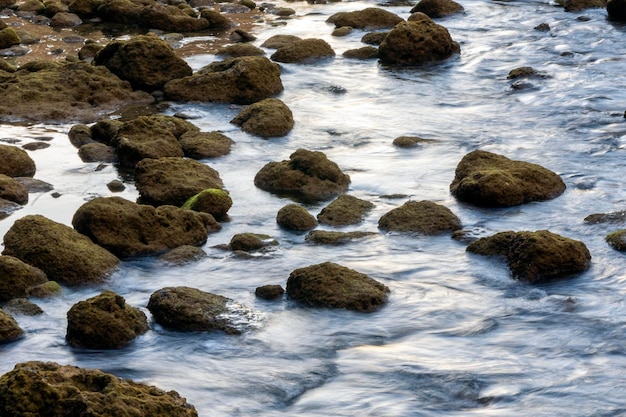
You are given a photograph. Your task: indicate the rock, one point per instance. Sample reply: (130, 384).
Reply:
(203, 145)
(240, 49)
(104, 322)
(335, 286)
(374, 38)
(130, 229)
(307, 174)
(369, 18)
(326, 237)
(417, 42)
(173, 180)
(170, 18)
(22, 306)
(578, 5)
(183, 255)
(617, 240)
(269, 292)
(409, 141)
(62, 253)
(267, 118)
(87, 9)
(424, 217)
(116, 186)
(8, 38)
(9, 332)
(240, 35)
(56, 91)
(106, 130)
(525, 72)
(345, 210)
(278, 41)
(47, 388)
(366, 52)
(535, 257)
(242, 80)
(295, 217)
(191, 310)
(250, 242)
(146, 61)
(214, 201)
(34, 185)
(17, 278)
(80, 135)
(305, 51)
(97, 152)
(542, 27)
(45, 290)
(491, 180)
(217, 21)
(7, 208)
(437, 8)
(616, 10)
(65, 20)
(16, 162)
(13, 190)
(615, 217)
(35, 146)
(154, 136)
(342, 31)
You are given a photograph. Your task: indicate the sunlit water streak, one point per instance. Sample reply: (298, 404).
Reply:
(458, 336)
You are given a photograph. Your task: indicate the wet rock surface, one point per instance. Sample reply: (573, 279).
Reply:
(9, 329)
(345, 210)
(437, 8)
(267, 118)
(17, 278)
(304, 51)
(295, 217)
(369, 18)
(424, 217)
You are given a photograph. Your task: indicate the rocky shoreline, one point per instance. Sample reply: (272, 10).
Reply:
(182, 199)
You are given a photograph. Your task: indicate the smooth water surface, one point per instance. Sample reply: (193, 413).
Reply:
(458, 337)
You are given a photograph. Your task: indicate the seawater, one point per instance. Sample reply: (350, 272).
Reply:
(458, 337)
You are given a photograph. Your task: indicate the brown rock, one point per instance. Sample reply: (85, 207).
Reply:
(617, 240)
(16, 162)
(80, 135)
(424, 217)
(250, 242)
(65, 20)
(369, 18)
(305, 51)
(13, 190)
(183, 255)
(327, 237)
(97, 152)
(267, 118)
(8, 38)
(278, 41)
(366, 52)
(240, 49)
(171, 19)
(269, 292)
(217, 21)
(9, 330)
(374, 38)
(203, 145)
(437, 8)
(17, 278)
(578, 5)
(345, 210)
(295, 217)
(214, 201)
(22, 306)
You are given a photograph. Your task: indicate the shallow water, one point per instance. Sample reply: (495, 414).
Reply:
(458, 337)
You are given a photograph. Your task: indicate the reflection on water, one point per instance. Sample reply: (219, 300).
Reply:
(458, 336)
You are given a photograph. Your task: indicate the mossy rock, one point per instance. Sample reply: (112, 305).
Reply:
(278, 41)
(9, 332)
(424, 217)
(217, 21)
(250, 242)
(97, 152)
(106, 130)
(80, 135)
(104, 322)
(13, 190)
(579, 5)
(617, 240)
(267, 118)
(374, 38)
(305, 51)
(536, 257)
(8, 38)
(50, 389)
(269, 292)
(16, 162)
(183, 255)
(240, 49)
(410, 141)
(369, 18)
(65, 255)
(17, 278)
(614, 217)
(22, 306)
(366, 52)
(45, 290)
(213, 201)
(438, 8)
(345, 210)
(335, 286)
(491, 180)
(203, 145)
(295, 217)
(327, 237)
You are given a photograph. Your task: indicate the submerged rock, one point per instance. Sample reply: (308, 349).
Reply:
(269, 292)
(307, 174)
(295, 217)
(615, 217)
(129, 229)
(335, 286)
(9, 331)
(47, 388)
(536, 257)
(242, 80)
(491, 180)
(214, 201)
(369, 18)
(423, 217)
(267, 118)
(17, 278)
(366, 52)
(172, 181)
(416, 42)
(22, 306)
(437, 8)
(65, 255)
(16, 162)
(192, 310)
(304, 51)
(183, 255)
(104, 322)
(410, 141)
(617, 240)
(146, 61)
(345, 210)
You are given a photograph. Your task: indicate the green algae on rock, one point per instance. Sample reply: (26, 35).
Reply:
(9, 330)
(49, 389)
(17, 278)
(617, 240)
(203, 145)
(214, 201)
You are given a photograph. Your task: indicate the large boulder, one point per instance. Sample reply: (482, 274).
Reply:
(9, 330)
(424, 217)
(417, 42)
(57, 91)
(616, 10)
(17, 278)
(305, 51)
(65, 255)
(369, 18)
(437, 8)
(154, 136)
(535, 257)
(172, 181)
(129, 229)
(345, 210)
(242, 80)
(50, 389)
(491, 180)
(267, 118)
(192, 310)
(146, 61)
(307, 174)
(335, 286)
(104, 322)
(16, 162)
(13, 190)
(203, 145)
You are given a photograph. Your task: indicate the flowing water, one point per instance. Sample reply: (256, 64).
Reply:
(458, 336)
